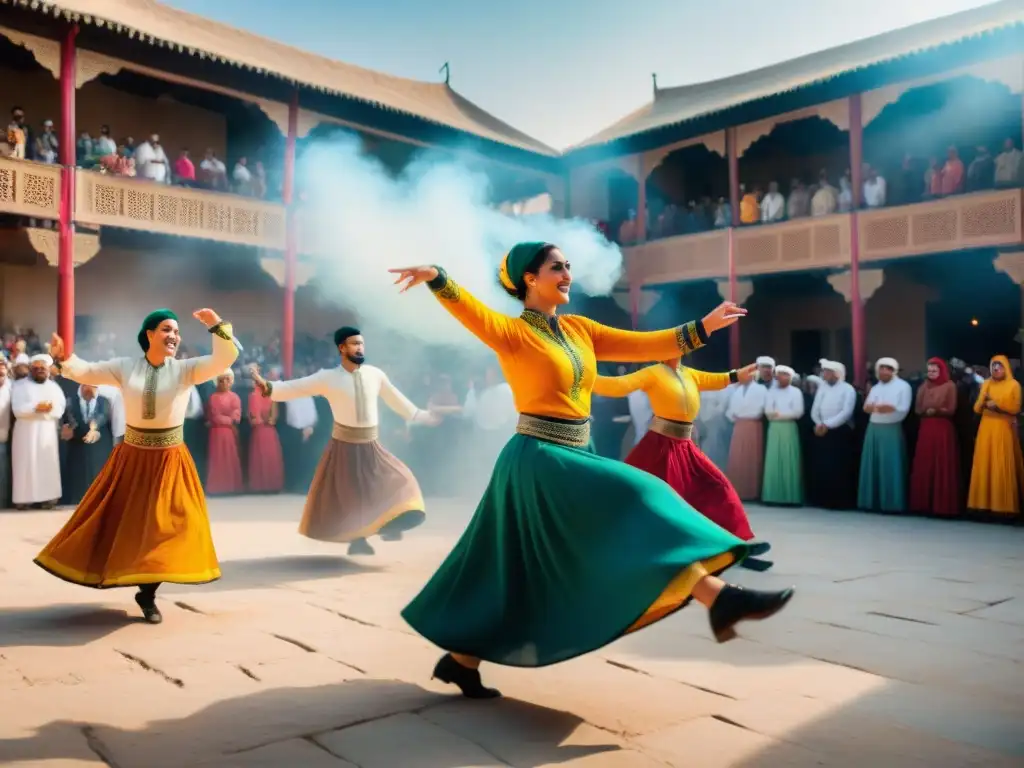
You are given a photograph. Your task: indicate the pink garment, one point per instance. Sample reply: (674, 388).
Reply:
(266, 461)
(953, 177)
(224, 412)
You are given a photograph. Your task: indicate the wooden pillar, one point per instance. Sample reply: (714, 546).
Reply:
(857, 330)
(291, 246)
(66, 220)
(733, 159)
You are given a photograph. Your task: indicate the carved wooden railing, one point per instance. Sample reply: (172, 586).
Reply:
(806, 243)
(116, 201)
(678, 259)
(29, 189)
(978, 220)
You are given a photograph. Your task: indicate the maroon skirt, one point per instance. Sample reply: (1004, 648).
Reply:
(266, 461)
(692, 475)
(935, 475)
(358, 490)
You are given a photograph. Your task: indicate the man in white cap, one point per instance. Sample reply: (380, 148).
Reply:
(831, 482)
(20, 367)
(783, 463)
(766, 370)
(38, 405)
(883, 461)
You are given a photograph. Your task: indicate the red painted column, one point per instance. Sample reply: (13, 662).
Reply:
(734, 201)
(291, 247)
(635, 286)
(857, 331)
(66, 221)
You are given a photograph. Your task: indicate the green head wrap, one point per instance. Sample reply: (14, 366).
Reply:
(514, 265)
(151, 323)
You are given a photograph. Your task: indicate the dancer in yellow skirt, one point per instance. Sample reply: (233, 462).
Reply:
(143, 521)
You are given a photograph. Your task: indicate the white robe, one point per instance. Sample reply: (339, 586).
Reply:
(35, 449)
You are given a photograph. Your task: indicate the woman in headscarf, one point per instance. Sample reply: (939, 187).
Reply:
(223, 415)
(568, 551)
(935, 475)
(144, 521)
(668, 451)
(997, 476)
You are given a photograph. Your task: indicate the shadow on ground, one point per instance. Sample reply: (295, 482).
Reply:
(345, 719)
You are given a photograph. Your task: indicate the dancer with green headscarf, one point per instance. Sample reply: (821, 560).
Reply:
(143, 521)
(568, 551)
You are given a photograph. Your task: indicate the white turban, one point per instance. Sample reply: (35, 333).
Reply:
(888, 362)
(764, 360)
(815, 380)
(41, 358)
(831, 365)
(21, 359)
(228, 374)
(787, 370)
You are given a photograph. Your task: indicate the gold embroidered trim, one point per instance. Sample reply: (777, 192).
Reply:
(347, 434)
(687, 338)
(539, 324)
(677, 430)
(450, 290)
(149, 392)
(153, 438)
(559, 432)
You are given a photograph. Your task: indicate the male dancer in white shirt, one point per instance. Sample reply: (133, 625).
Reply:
(359, 489)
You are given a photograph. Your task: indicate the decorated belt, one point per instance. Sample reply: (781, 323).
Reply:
(678, 430)
(153, 438)
(573, 434)
(347, 434)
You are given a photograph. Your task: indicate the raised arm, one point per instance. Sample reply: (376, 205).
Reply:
(621, 386)
(108, 372)
(399, 403)
(492, 328)
(223, 353)
(643, 346)
(283, 391)
(712, 382)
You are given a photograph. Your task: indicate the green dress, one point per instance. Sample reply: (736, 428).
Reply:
(567, 550)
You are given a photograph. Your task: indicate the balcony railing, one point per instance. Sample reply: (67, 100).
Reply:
(116, 201)
(979, 220)
(29, 189)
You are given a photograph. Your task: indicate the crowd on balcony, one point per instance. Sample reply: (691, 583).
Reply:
(943, 441)
(916, 180)
(148, 160)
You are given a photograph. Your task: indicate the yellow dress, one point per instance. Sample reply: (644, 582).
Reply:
(144, 518)
(997, 474)
(567, 550)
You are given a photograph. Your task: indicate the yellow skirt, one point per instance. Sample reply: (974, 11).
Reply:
(997, 474)
(142, 521)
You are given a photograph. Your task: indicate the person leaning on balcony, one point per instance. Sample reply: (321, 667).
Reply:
(17, 134)
(799, 204)
(826, 197)
(773, 207)
(750, 206)
(151, 161)
(952, 173)
(1008, 165)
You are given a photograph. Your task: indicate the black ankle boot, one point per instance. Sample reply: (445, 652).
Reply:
(448, 670)
(736, 604)
(361, 547)
(147, 602)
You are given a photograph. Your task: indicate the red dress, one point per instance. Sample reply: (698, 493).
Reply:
(935, 475)
(223, 413)
(266, 462)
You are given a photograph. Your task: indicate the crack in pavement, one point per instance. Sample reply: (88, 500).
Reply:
(696, 687)
(988, 604)
(296, 643)
(324, 748)
(248, 673)
(189, 608)
(345, 616)
(885, 615)
(150, 668)
(97, 747)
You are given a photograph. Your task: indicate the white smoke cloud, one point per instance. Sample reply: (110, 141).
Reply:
(436, 212)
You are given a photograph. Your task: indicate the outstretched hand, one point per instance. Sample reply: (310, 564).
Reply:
(746, 374)
(56, 347)
(722, 316)
(207, 317)
(410, 277)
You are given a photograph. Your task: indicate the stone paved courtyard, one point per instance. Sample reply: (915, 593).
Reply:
(903, 647)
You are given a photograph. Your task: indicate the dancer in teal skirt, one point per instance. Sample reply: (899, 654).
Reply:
(568, 551)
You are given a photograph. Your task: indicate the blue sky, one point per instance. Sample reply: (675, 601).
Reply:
(561, 70)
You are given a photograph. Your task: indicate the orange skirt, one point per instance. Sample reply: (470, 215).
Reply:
(142, 521)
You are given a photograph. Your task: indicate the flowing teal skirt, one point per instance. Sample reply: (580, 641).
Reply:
(783, 465)
(883, 469)
(566, 552)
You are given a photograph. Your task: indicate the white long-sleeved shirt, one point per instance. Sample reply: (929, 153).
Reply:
(874, 192)
(773, 207)
(352, 396)
(895, 392)
(834, 404)
(154, 398)
(747, 401)
(787, 402)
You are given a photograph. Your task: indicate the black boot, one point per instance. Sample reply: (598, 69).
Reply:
(146, 598)
(448, 670)
(736, 604)
(361, 547)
